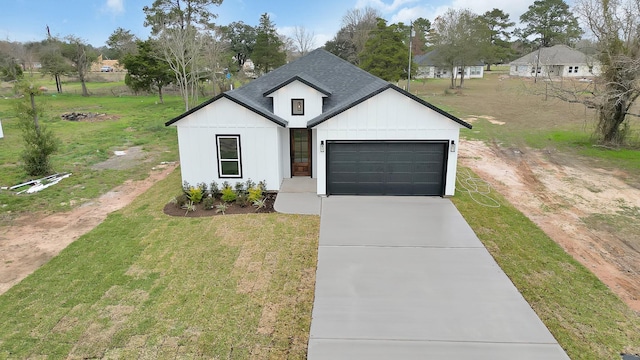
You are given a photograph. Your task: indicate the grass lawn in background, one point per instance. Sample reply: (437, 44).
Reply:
(514, 112)
(128, 121)
(146, 285)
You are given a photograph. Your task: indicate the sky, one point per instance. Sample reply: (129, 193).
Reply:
(94, 20)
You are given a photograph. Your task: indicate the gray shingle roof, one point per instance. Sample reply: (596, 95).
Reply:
(431, 59)
(555, 55)
(344, 84)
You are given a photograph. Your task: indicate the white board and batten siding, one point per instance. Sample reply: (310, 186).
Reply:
(297, 90)
(260, 159)
(388, 116)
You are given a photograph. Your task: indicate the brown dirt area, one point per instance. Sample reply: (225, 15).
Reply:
(34, 239)
(560, 195)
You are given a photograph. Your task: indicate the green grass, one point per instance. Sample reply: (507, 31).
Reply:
(130, 121)
(143, 284)
(587, 319)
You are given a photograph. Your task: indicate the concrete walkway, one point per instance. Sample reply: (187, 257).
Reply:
(407, 278)
(298, 195)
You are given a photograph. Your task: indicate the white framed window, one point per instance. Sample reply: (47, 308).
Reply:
(229, 157)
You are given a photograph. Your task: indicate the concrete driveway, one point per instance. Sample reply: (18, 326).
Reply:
(407, 278)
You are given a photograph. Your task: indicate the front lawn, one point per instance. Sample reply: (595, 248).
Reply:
(146, 285)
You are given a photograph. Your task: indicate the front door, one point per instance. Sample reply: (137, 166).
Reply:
(300, 152)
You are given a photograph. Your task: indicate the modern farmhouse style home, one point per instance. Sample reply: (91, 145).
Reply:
(324, 118)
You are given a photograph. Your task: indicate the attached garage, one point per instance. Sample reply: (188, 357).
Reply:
(386, 167)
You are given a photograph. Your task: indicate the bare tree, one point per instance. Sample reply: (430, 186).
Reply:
(615, 25)
(214, 62)
(180, 26)
(81, 56)
(350, 40)
(303, 40)
(457, 38)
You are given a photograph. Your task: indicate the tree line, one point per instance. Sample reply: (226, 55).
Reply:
(186, 48)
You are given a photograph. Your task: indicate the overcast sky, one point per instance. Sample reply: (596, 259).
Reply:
(95, 20)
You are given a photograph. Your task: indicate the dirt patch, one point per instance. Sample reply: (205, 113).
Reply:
(233, 209)
(34, 239)
(123, 159)
(560, 195)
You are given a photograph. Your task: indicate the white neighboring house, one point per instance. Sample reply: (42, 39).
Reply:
(322, 117)
(428, 68)
(555, 61)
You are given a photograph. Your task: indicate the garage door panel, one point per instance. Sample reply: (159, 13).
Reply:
(386, 168)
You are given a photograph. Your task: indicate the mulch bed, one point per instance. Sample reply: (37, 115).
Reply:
(233, 209)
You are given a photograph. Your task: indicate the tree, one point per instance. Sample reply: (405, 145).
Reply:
(497, 47)
(146, 70)
(552, 22)
(52, 61)
(421, 28)
(40, 142)
(457, 37)
(241, 39)
(81, 56)
(350, 40)
(385, 53)
(179, 26)
(615, 26)
(10, 70)
(303, 40)
(267, 53)
(121, 42)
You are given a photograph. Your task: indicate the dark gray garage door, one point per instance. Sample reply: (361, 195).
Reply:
(386, 167)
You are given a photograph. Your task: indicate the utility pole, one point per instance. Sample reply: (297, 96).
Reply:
(410, 45)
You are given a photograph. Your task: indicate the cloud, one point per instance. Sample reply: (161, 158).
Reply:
(403, 13)
(115, 6)
(382, 6)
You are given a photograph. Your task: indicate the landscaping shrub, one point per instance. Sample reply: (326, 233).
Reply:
(208, 203)
(228, 195)
(195, 195)
(254, 193)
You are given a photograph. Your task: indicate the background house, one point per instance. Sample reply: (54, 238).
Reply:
(429, 67)
(324, 118)
(555, 61)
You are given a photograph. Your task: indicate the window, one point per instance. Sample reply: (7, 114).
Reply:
(229, 161)
(575, 69)
(297, 106)
(475, 70)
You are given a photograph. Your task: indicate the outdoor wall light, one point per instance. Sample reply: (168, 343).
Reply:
(453, 146)
(322, 146)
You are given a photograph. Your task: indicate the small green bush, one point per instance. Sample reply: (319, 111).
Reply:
(214, 190)
(180, 200)
(195, 194)
(221, 208)
(260, 203)
(239, 188)
(228, 195)
(203, 187)
(208, 203)
(255, 193)
(242, 200)
(262, 185)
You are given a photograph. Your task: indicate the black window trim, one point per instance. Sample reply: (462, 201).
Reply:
(293, 112)
(229, 136)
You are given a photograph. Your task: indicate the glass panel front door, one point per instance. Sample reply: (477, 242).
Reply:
(300, 152)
